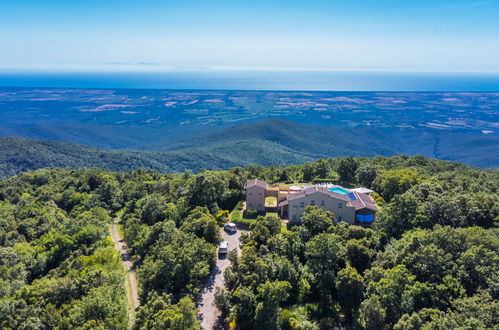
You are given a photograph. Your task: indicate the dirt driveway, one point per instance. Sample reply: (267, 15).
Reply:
(208, 312)
(131, 281)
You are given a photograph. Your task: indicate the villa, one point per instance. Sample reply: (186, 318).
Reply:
(256, 191)
(354, 206)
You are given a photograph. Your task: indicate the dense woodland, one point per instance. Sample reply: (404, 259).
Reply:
(267, 142)
(430, 261)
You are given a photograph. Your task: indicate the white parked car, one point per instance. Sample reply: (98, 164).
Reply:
(223, 248)
(230, 227)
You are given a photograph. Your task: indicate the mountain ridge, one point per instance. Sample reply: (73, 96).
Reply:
(272, 141)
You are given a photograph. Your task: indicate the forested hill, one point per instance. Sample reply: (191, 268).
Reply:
(268, 142)
(289, 141)
(430, 261)
(20, 155)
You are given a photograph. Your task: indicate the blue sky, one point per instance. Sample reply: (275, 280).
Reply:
(397, 35)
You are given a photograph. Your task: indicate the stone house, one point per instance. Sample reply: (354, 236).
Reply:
(348, 205)
(351, 207)
(255, 194)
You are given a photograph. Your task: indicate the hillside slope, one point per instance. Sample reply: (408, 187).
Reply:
(19, 155)
(318, 141)
(308, 140)
(268, 142)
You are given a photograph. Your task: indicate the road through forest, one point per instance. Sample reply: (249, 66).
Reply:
(208, 312)
(131, 280)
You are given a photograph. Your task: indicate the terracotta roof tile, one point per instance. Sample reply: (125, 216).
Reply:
(355, 199)
(255, 182)
(367, 201)
(285, 202)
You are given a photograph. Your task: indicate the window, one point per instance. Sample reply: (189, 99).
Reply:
(295, 205)
(260, 204)
(294, 217)
(312, 202)
(302, 204)
(259, 194)
(339, 218)
(323, 203)
(340, 205)
(250, 204)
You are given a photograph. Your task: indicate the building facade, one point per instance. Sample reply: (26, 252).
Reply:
(339, 206)
(255, 194)
(349, 206)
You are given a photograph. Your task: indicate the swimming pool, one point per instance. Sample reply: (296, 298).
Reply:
(339, 190)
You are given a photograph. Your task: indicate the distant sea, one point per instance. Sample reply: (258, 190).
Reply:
(260, 80)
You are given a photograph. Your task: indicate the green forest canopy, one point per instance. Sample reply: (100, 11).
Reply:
(430, 260)
(267, 142)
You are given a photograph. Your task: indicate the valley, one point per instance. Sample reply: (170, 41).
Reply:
(132, 118)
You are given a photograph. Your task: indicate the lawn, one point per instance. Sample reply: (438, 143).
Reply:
(237, 215)
(270, 201)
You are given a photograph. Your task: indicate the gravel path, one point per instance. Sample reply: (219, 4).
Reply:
(208, 312)
(131, 281)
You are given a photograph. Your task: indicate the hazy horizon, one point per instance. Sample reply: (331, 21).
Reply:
(341, 81)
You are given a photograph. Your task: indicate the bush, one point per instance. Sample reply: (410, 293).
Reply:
(250, 214)
(223, 216)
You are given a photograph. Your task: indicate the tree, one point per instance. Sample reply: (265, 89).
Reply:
(347, 167)
(152, 208)
(350, 288)
(159, 313)
(395, 291)
(176, 263)
(103, 305)
(443, 253)
(271, 294)
(373, 314)
(399, 215)
(324, 254)
(245, 301)
(444, 210)
(274, 224)
(265, 227)
(296, 318)
(394, 182)
(57, 248)
(365, 175)
(315, 221)
(421, 320)
(208, 189)
(320, 169)
(222, 301)
(359, 255)
(202, 224)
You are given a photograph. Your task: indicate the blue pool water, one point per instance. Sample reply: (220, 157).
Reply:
(339, 190)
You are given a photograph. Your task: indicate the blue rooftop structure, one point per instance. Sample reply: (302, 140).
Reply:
(365, 218)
